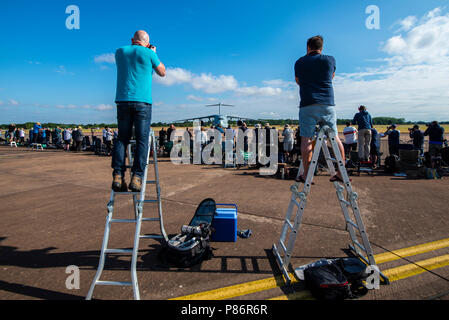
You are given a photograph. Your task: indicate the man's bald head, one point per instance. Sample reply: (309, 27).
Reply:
(142, 38)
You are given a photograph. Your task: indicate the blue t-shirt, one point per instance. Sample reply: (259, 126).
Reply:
(315, 73)
(135, 66)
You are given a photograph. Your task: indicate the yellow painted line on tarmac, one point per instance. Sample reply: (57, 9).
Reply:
(411, 251)
(238, 289)
(393, 274)
(413, 269)
(273, 282)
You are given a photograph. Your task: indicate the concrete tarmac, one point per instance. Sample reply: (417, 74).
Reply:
(53, 213)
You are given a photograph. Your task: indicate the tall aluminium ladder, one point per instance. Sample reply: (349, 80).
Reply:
(283, 251)
(138, 203)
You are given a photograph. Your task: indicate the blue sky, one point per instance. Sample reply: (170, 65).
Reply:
(238, 52)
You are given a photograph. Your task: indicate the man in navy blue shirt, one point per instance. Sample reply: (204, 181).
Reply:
(365, 123)
(418, 139)
(314, 74)
(393, 139)
(436, 138)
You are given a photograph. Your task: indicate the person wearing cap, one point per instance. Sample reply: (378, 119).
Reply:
(314, 74)
(393, 139)
(418, 139)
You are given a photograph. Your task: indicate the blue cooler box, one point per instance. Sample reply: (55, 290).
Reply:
(225, 223)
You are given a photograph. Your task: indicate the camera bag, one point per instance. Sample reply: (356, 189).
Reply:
(192, 245)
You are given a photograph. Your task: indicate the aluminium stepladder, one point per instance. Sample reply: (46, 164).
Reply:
(138, 203)
(283, 251)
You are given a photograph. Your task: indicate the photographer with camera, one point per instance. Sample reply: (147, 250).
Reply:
(436, 138)
(135, 65)
(418, 138)
(314, 74)
(393, 139)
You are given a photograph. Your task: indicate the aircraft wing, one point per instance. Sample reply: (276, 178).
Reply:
(196, 118)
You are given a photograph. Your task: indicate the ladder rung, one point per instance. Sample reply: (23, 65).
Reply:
(347, 203)
(151, 182)
(113, 283)
(296, 203)
(360, 246)
(289, 224)
(150, 201)
(118, 251)
(123, 221)
(152, 236)
(332, 159)
(283, 246)
(151, 219)
(353, 224)
(127, 193)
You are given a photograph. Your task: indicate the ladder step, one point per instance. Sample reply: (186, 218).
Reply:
(353, 224)
(151, 236)
(289, 224)
(151, 219)
(123, 221)
(150, 201)
(151, 182)
(118, 251)
(360, 246)
(127, 193)
(113, 283)
(283, 247)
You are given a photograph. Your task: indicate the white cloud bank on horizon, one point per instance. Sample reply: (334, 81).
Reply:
(412, 82)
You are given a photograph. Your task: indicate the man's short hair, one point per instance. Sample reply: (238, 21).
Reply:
(315, 43)
(362, 108)
(348, 123)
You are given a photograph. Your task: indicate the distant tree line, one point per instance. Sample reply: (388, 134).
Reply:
(272, 122)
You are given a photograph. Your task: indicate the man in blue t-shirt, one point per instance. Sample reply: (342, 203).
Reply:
(314, 74)
(135, 65)
(365, 123)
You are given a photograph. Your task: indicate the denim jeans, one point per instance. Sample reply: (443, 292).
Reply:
(129, 115)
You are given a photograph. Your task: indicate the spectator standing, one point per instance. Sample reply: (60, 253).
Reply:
(67, 135)
(374, 147)
(393, 139)
(436, 138)
(314, 74)
(365, 123)
(418, 139)
(288, 142)
(350, 134)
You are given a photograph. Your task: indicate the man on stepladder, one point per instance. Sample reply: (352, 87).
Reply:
(314, 74)
(135, 65)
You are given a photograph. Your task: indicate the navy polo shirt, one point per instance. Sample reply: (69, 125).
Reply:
(315, 73)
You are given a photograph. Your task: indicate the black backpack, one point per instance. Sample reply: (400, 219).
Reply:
(338, 279)
(391, 164)
(192, 245)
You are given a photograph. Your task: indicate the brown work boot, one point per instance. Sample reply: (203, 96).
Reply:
(119, 184)
(136, 184)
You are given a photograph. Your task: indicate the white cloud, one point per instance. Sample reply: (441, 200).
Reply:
(406, 24)
(192, 97)
(103, 107)
(414, 82)
(13, 102)
(63, 70)
(105, 58)
(212, 84)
